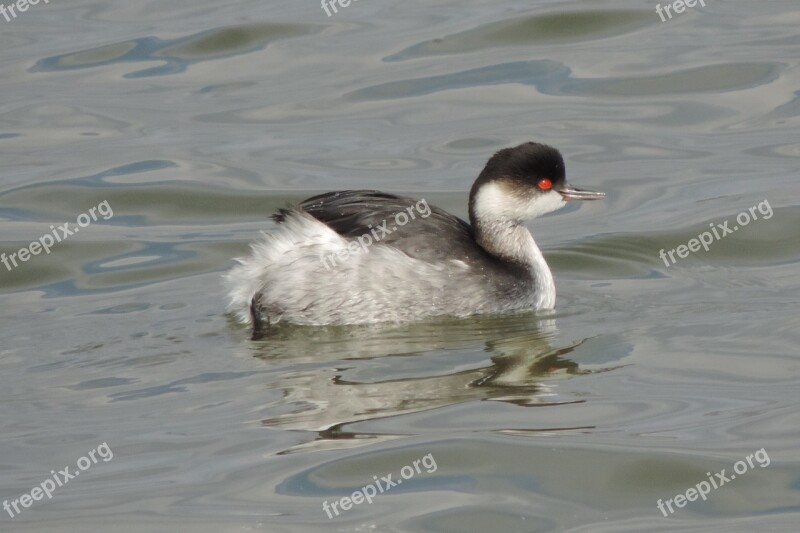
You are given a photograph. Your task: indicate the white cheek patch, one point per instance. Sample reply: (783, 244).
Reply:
(495, 202)
(545, 203)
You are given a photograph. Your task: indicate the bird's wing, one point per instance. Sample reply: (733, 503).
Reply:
(409, 225)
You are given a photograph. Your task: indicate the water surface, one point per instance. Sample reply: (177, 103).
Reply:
(197, 120)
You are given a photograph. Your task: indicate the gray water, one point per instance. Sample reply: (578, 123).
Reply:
(196, 120)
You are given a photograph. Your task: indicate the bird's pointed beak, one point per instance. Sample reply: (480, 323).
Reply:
(568, 192)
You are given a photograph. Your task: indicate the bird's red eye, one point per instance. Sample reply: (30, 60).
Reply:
(545, 184)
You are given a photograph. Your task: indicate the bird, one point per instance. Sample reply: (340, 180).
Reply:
(359, 257)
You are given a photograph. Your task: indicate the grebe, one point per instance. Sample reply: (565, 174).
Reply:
(349, 257)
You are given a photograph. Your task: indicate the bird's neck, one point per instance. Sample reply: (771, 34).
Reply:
(511, 241)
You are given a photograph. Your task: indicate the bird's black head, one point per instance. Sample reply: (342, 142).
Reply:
(525, 165)
(523, 182)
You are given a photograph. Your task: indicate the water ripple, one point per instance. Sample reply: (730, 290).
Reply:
(177, 54)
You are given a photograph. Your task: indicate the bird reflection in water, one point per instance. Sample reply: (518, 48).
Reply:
(336, 377)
